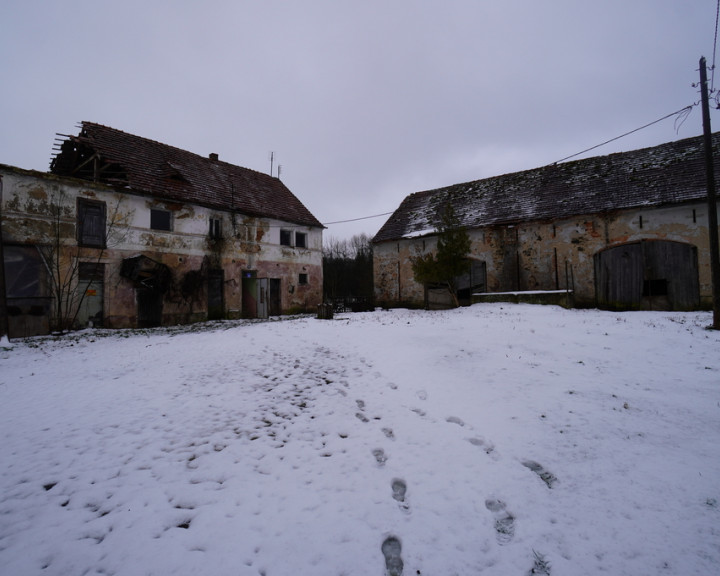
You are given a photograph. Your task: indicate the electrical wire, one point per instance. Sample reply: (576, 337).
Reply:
(356, 219)
(681, 114)
(686, 110)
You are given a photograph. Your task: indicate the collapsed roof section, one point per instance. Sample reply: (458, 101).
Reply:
(102, 154)
(667, 174)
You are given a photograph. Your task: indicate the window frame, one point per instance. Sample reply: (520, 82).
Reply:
(215, 232)
(286, 235)
(91, 223)
(160, 226)
(304, 242)
(303, 279)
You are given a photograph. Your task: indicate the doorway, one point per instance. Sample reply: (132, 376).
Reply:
(274, 308)
(91, 287)
(255, 295)
(216, 282)
(648, 275)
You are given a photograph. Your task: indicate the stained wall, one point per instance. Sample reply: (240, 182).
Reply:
(40, 209)
(553, 255)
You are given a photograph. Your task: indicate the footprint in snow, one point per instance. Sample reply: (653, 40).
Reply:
(455, 420)
(399, 490)
(391, 549)
(380, 456)
(482, 443)
(545, 476)
(504, 521)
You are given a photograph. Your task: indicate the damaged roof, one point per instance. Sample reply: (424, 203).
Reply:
(671, 173)
(143, 166)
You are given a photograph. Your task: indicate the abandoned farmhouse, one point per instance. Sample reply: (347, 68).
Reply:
(624, 231)
(128, 232)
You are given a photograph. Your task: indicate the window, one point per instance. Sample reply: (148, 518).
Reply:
(285, 238)
(303, 279)
(160, 219)
(91, 223)
(301, 239)
(215, 228)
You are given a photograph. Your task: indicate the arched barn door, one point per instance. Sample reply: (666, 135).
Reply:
(647, 275)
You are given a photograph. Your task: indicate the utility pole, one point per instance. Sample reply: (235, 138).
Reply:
(4, 328)
(712, 202)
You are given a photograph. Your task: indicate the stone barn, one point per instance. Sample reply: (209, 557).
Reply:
(623, 231)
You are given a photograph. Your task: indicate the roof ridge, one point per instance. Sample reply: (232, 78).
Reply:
(671, 172)
(182, 150)
(141, 164)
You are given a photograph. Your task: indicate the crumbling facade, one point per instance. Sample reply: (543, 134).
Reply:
(127, 232)
(624, 231)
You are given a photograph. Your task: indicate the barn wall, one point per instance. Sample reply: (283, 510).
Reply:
(188, 251)
(549, 255)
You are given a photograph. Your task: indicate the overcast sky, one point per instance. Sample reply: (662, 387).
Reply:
(362, 102)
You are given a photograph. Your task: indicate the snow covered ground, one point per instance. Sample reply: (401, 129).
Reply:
(496, 439)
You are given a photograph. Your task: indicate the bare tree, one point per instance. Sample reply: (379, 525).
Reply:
(347, 271)
(62, 253)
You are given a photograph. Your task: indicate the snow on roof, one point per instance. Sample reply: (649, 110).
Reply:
(667, 174)
(419, 233)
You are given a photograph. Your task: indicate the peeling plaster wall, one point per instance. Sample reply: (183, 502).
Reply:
(548, 255)
(29, 199)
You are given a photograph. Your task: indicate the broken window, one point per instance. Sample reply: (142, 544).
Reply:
(285, 238)
(160, 219)
(27, 292)
(91, 217)
(25, 272)
(300, 239)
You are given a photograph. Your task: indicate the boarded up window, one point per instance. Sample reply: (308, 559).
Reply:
(90, 223)
(27, 293)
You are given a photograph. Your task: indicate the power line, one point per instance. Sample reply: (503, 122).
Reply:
(356, 219)
(685, 110)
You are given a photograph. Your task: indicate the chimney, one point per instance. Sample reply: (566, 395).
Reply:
(213, 156)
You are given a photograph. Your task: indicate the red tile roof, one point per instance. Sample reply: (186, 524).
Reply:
(671, 173)
(162, 171)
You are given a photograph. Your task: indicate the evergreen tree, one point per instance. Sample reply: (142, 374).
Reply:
(450, 259)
